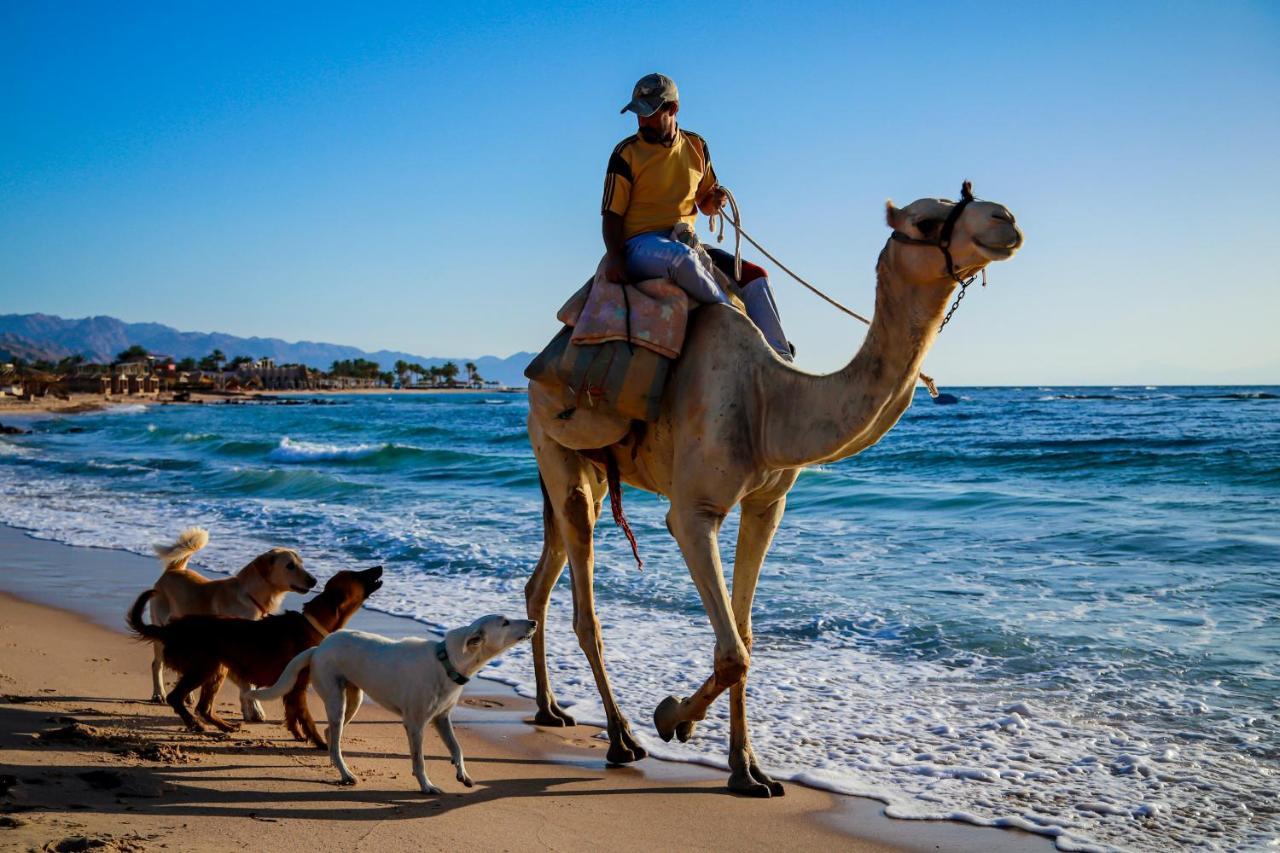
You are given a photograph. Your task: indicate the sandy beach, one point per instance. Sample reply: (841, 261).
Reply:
(84, 757)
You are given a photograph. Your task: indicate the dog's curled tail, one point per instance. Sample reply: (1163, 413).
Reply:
(142, 629)
(189, 541)
(287, 678)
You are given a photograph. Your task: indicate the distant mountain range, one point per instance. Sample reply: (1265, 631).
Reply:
(100, 339)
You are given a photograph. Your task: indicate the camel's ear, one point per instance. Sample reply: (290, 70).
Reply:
(894, 216)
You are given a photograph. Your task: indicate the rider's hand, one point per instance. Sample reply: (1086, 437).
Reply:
(714, 202)
(615, 269)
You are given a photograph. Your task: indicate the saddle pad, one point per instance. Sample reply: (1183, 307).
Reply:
(658, 311)
(611, 377)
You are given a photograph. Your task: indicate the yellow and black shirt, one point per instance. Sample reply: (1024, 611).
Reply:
(652, 186)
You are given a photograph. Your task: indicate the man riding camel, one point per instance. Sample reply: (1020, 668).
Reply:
(656, 179)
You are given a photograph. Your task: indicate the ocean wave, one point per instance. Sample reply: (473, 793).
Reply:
(243, 448)
(419, 462)
(289, 450)
(281, 483)
(1242, 395)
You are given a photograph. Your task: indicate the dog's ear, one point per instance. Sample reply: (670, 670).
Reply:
(261, 564)
(474, 639)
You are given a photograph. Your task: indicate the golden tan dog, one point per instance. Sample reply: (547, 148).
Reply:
(255, 591)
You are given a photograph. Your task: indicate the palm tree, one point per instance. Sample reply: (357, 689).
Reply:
(450, 372)
(213, 361)
(69, 364)
(133, 353)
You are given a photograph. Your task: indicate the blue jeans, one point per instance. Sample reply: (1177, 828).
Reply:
(655, 255)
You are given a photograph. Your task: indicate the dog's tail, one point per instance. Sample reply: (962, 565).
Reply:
(189, 541)
(139, 627)
(288, 678)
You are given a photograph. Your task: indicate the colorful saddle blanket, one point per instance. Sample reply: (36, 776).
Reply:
(615, 351)
(653, 314)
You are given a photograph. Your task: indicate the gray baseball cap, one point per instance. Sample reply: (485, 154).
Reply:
(650, 93)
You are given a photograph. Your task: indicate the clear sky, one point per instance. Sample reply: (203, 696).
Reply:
(427, 177)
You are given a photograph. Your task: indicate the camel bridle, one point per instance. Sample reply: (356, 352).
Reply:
(943, 243)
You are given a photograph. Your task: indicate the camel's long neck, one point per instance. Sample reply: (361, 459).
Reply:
(824, 418)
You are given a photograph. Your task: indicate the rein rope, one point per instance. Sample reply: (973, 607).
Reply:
(718, 220)
(734, 218)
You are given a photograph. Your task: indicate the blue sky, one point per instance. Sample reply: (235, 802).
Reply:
(428, 179)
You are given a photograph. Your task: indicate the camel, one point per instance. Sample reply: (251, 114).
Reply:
(737, 425)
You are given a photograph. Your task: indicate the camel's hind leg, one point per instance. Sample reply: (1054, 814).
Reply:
(574, 490)
(537, 594)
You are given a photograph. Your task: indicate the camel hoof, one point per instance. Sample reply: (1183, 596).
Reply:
(666, 718)
(775, 788)
(553, 717)
(745, 785)
(619, 755)
(684, 730)
(157, 699)
(623, 748)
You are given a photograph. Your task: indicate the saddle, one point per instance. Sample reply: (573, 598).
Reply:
(615, 351)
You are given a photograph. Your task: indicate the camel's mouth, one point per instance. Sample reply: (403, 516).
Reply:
(998, 253)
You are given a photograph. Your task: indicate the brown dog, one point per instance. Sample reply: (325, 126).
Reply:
(255, 591)
(205, 648)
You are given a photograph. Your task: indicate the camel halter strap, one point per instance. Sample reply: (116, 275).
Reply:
(943, 242)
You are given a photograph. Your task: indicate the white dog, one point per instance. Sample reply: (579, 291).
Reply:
(420, 680)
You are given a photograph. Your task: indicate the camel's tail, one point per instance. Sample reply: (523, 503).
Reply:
(141, 628)
(615, 503)
(287, 679)
(548, 513)
(189, 541)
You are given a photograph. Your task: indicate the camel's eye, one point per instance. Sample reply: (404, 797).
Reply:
(929, 227)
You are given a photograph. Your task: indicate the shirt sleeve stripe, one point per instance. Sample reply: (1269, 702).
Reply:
(619, 166)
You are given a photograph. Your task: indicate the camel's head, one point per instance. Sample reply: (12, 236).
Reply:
(983, 232)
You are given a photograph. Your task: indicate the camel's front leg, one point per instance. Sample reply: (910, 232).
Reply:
(696, 530)
(755, 534)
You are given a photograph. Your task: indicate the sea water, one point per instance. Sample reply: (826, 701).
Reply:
(1052, 608)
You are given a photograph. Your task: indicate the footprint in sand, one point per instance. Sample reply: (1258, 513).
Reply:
(479, 702)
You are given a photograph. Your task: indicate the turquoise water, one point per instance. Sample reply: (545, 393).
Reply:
(1052, 608)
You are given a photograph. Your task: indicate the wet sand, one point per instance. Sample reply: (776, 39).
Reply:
(85, 756)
